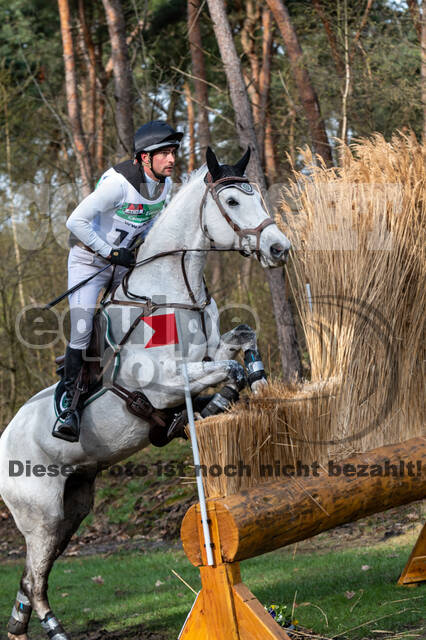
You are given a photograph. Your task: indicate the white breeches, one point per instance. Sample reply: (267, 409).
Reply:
(81, 265)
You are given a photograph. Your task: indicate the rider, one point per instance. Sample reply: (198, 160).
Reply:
(104, 227)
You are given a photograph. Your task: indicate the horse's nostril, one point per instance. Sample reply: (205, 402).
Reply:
(278, 251)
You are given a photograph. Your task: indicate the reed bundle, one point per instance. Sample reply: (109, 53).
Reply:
(358, 234)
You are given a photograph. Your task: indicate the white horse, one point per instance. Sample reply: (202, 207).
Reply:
(48, 507)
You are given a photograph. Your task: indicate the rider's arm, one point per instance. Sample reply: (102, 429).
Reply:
(107, 196)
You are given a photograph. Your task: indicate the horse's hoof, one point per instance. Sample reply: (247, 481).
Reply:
(258, 385)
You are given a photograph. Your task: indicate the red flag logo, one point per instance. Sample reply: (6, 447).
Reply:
(165, 330)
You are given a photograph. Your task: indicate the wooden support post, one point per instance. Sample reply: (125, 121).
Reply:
(415, 569)
(225, 609)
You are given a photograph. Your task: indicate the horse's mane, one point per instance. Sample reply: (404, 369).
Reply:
(188, 183)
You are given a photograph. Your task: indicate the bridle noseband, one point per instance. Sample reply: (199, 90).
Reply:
(212, 187)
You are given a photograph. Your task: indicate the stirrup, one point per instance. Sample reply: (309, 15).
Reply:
(65, 431)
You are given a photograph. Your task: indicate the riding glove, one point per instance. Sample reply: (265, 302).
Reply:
(124, 257)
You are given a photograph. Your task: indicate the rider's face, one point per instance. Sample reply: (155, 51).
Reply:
(163, 161)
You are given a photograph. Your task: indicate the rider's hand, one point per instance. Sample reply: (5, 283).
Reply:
(124, 257)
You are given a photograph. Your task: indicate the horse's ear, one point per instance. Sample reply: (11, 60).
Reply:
(212, 164)
(241, 165)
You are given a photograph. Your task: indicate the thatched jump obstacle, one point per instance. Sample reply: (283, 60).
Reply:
(358, 240)
(277, 514)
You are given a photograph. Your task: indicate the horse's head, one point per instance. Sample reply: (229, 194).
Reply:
(233, 216)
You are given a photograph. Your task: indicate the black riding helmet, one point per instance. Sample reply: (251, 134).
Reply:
(155, 135)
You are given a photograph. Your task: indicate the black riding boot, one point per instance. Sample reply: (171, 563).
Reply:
(67, 427)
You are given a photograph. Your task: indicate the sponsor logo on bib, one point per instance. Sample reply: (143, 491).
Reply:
(139, 213)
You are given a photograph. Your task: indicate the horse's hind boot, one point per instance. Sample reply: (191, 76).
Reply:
(67, 426)
(21, 613)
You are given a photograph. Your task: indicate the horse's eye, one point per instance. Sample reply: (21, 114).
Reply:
(232, 202)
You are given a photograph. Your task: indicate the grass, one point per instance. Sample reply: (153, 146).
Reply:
(139, 588)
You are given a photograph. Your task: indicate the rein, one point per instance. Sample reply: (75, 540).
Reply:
(137, 401)
(212, 188)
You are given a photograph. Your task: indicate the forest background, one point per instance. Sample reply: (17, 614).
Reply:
(77, 78)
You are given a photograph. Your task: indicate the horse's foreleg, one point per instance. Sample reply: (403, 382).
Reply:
(205, 374)
(244, 338)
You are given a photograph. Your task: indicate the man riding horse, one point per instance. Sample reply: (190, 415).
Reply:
(104, 228)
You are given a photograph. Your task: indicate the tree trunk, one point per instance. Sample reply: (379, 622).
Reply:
(305, 88)
(423, 71)
(122, 76)
(258, 81)
(190, 111)
(12, 218)
(265, 75)
(330, 36)
(79, 143)
(246, 133)
(100, 110)
(88, 49)
(199, 73)
(269, 152)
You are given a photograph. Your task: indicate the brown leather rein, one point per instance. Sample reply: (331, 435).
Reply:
(211, 187)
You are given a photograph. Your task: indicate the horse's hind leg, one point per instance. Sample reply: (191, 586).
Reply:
(20, 617)
(44, 544)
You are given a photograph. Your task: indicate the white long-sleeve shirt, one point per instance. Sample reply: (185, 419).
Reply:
(115, 213)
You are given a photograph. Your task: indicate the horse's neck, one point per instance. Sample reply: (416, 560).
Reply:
(178, 227)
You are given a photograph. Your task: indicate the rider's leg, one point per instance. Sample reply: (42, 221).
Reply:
(81, 264)
(68, 428)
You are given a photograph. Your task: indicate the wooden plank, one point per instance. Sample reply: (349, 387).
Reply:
(415, 569)
(254, 622)
(218, 604)
(276, 514)
(195, 624)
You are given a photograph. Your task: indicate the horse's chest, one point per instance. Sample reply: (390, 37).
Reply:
(158, 334)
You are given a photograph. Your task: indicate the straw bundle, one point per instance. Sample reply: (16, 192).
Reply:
(359, 241)
(272, 430)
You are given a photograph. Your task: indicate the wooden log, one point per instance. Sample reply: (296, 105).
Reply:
(277, 514)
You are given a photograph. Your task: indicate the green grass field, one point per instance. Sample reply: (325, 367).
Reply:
(333, 592)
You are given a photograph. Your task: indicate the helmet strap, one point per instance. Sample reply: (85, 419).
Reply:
(138, 160)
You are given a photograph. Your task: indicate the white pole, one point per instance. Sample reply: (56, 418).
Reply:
(194, 443)
(308, 291)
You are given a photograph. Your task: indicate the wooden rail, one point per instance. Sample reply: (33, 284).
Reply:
(277, 514)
